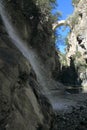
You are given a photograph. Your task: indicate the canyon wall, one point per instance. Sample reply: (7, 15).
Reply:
(30, 99)
(77, 39)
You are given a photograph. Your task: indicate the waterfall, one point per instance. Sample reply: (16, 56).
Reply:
(46, 84)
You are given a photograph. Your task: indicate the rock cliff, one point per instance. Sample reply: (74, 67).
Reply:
(20, 97)
(77, 48)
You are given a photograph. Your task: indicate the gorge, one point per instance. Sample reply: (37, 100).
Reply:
(32, 97)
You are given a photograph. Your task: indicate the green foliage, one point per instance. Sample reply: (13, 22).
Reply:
(73, 19)
(66, 41)
(56, 16)
(52, 1)
(77, 54)
(45, 5)
(63, 60)
(75, 2)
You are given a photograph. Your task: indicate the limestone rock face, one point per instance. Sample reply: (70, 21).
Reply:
(34, 26)
(15, 92)
(20, 97)
(78, 39)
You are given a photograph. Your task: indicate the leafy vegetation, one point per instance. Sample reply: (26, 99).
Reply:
(73, 19)
(75, 2)
(63, 59)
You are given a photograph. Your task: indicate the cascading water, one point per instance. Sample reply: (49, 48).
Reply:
(46, 83)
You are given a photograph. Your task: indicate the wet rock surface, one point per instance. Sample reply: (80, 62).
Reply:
(73, 116)
(15, 92)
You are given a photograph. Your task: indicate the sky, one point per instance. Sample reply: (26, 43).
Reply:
(66, 8)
